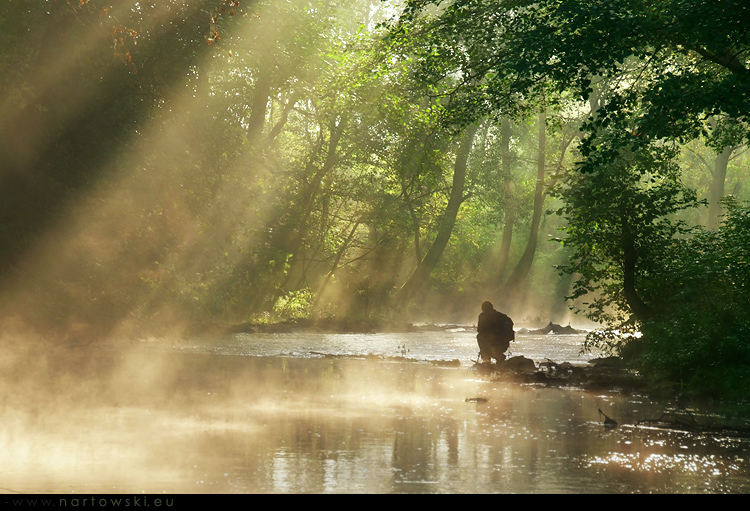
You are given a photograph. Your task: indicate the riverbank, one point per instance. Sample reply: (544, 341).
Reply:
(599, 375)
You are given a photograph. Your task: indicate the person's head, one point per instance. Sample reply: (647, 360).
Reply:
(487, 306)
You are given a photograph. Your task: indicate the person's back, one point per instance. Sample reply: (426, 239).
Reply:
(494, 333)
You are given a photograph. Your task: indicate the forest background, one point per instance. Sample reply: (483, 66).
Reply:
(171, 167)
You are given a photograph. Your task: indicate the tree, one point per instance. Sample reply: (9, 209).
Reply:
(621, 229)
(692, 59)
(448, 220)
(506, 177)
(523, 266)
(674, 66)
(699, 344)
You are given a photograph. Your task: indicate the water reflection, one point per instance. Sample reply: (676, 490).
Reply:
(179, 423)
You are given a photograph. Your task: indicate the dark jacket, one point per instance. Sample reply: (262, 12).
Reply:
(495, 324)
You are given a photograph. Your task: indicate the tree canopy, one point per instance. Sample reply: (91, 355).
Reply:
(675, 64)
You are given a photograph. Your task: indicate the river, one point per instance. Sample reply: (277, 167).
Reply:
(259, 413)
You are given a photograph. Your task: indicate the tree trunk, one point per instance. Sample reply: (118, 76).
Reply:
(284, 117)
(637, 306)
(335, 266)
(523, 267)
(716, 192)
(510, 216)
(298, 226)
(257, 119)
(432, 257)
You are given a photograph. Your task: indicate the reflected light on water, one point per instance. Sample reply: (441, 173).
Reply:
(693, 463)
(175, 422)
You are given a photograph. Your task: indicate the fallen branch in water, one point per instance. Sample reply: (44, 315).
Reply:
(691, 425)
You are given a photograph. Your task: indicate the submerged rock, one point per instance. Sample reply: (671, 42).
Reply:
(519, 365)
(554, 328)
(513, 366)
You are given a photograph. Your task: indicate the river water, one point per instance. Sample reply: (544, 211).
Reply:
(272, 414)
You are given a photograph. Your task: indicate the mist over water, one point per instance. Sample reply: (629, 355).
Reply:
(247, 415)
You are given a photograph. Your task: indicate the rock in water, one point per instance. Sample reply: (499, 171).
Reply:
(519, 365)
(554, 328)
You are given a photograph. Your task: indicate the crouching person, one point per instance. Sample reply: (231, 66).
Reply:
(494, 333)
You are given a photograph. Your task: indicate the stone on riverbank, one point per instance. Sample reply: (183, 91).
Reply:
(607, 374)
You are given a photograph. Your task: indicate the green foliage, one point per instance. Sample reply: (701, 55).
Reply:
(690, 59)
(621, 230)
(700, 336)
(294, 305)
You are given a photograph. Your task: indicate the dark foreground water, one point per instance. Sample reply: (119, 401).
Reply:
(212, 418)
